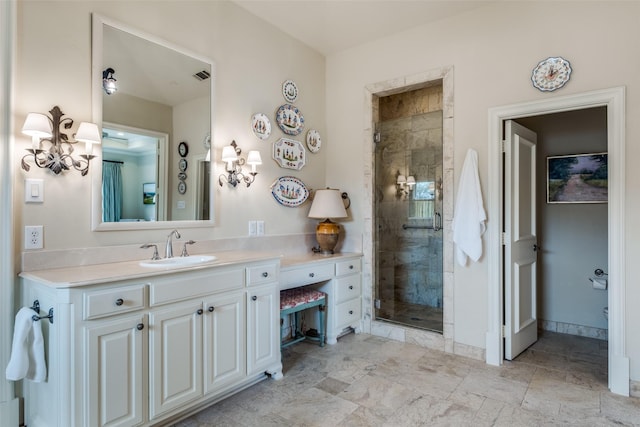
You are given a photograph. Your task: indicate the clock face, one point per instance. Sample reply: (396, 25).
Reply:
(551, 74)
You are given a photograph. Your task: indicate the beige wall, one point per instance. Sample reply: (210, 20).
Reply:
(493, 50)
(252, 59)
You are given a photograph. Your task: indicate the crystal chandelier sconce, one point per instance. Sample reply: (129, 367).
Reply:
(233, 166)
(57, 156)
(109, 82)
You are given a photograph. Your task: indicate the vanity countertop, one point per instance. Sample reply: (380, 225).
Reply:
(71, 277)
(293, 261)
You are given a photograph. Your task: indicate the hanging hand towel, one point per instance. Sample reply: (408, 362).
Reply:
(469, 219)
(27, 351)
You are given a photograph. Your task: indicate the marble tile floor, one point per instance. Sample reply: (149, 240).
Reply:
(370, 381)
(413, 315)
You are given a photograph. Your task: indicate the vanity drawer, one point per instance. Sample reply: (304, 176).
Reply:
(347, 288)
(182, 287)
(108, 302)
(305, 276)
(260, 274)
(347, 267)
(348, 313)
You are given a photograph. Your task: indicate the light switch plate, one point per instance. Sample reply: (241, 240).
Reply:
(33, 190)
(252, 228)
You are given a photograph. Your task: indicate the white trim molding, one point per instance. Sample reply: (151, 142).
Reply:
(614, 100)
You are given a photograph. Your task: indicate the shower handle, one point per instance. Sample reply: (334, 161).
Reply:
(437, 221)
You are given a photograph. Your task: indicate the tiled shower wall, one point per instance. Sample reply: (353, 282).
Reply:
(410, 263)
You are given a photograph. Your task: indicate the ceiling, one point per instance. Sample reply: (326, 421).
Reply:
(330, 26)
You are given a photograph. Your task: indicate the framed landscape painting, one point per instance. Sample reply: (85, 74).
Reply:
(577, 178)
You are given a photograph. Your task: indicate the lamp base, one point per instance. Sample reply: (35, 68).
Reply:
(327, 233)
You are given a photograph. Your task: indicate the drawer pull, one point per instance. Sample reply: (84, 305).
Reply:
(351, 287)
(253, 298)
(351, 267)
(140, 326)
(350, 311)
(312, 274)
(265, 274)
(211, 309)
(200, 311)
(119, 302)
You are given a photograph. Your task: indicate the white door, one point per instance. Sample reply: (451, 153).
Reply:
(263, 338)
(175, 356)
(115, 365)
(520, 252)
(224, 340)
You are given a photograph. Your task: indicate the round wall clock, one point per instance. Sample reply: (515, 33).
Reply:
(551, 74)
(183, 149)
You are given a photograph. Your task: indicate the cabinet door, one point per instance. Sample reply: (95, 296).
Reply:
(224, 340)
(115, 372)
(175, 356)
(263, 337)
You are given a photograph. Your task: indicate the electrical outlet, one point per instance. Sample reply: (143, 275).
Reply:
(33, 237)
(260, 228)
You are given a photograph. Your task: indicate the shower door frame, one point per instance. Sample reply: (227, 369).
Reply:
(426, 338)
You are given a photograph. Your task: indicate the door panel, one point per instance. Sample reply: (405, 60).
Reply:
(521, 329)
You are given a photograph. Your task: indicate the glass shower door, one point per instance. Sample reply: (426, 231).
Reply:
(408, 216)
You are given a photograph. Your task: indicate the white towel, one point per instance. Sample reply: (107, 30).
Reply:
(27, 351)
(469, 218)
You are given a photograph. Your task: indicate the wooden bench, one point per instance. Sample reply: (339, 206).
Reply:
(293, 301)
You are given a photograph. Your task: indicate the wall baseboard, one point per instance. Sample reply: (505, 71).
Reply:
(572, 329)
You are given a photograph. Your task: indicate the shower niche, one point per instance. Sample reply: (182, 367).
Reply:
(408, 208)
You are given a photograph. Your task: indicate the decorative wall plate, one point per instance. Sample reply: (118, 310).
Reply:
(183, 149)
(182, 187)
(261, 126)
(182, 165)
(289, 191)
(551, 74)
(290, 91)
(182, 176)
(289, 153)
(313, 140)
(290, 119)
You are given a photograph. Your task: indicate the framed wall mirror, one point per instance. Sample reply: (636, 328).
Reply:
(163, 97)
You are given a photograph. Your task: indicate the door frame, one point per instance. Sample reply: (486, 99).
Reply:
(614, 100)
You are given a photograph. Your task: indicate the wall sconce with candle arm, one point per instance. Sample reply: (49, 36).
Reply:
(58, 157)
(233, 165)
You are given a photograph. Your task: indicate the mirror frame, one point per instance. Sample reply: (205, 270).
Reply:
(98, 22)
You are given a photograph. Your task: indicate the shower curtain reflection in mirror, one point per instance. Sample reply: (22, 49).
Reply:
(111, 191)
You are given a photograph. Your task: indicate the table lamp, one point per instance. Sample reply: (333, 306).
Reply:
(327, 204)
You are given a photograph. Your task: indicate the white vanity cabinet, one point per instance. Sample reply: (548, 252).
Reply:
(339, 276)
(147, 351)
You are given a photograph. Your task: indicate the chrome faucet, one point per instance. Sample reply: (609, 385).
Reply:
(168, 253)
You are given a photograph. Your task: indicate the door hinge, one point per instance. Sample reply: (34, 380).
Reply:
(377, 304)
(376, 137)
(503, 238)
(502, 145)
(503, 332)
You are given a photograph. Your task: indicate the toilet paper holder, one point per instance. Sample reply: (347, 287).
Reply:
(599, 272)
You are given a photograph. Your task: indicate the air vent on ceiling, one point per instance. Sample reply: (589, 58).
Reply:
(202, 75)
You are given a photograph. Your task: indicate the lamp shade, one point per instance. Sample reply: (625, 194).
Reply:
(327, 204)
(229, 154)
(254, 158)
(37, 125)
(401, 179)
(89, 133)
(411, 181)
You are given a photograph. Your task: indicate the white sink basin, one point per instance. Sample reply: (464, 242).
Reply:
(178, 261)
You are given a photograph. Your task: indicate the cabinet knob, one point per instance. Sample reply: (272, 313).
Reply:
(140, 326)
(265, 274)
(200, 311)
(351, 287)
(119, 301)
(211, 309)
(351, 267)
(312, 274)
(253, 298)
(350, 311)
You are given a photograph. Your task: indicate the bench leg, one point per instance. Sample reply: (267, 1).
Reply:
(321, 309)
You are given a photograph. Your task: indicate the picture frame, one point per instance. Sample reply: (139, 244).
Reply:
(149, 193)
(577, 178)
